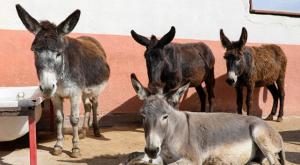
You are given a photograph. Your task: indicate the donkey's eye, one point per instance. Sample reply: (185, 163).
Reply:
(58, 54)
(165, 117)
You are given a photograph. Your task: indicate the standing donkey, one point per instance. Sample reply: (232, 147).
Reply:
(170, 65)
(255, 67)
(68, 68)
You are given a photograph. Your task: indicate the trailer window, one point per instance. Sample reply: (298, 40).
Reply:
(289, 8)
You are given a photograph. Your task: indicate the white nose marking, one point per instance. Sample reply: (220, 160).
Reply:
(233, 76)
(48, 79)
(153, 140)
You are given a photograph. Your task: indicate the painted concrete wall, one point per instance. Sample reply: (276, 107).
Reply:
(111, 21)
(193, 19)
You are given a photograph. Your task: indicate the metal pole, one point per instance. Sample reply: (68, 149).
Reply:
(32, 139)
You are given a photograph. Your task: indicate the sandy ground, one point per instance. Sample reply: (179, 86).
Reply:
(116, 143)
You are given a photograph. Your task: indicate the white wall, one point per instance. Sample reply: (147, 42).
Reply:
(196, 19)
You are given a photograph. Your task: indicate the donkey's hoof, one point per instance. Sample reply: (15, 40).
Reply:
(75, 153)
(97, 132)
(57, 150)
(83, 133)
(270, 117)
(279, 119)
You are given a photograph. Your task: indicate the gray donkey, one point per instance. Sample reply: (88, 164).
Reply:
(179, 137)
(68, 68)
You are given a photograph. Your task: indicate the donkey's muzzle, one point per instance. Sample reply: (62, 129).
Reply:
(152, 152)
(47, 91)
(230, 81)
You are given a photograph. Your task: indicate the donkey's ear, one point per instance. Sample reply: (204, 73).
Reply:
(139, 38)
(69, 23)
(224, 40)
(141, 92)
(173, 97)
(167, 38)
(29, 22)
(243, 38)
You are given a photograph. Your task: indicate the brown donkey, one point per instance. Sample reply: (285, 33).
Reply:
(68, 68)
(170, 65)
(255, 67)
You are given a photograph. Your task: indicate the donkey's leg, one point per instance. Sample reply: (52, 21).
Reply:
(87, 110)
(95, 121)
(202, 97)
(239, 99)
(141, 158)
(280, 84)
(274, 91)
(74, 119)
(182, 161)
(249, 100)
(210, 85)
(261, 137)
(58, 106)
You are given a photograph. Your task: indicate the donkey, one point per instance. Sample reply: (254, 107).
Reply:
(74, 68)
(170, 65)
(179, 137)
(252, 67)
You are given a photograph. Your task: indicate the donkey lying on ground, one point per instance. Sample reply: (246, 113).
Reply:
(204, 138)
(68, 68)
(255, 67)
(170, 65)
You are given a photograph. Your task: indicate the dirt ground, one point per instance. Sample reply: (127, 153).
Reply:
(116, 142)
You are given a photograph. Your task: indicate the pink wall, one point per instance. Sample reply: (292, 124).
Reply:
(124, 57)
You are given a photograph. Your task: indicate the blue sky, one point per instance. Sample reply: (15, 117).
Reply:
(278, 5)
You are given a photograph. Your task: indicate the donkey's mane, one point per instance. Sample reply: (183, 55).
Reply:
(154, 104)
(47, 25)
(47, 38)
(234, 44)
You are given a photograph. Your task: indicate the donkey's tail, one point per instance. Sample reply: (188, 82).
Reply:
(281, 155)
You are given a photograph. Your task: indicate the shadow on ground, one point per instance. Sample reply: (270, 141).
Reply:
(135, 128)
(293, 157)
(50, 149)
(3, 154)
(9, 147)
(292, 137)
(103, 160)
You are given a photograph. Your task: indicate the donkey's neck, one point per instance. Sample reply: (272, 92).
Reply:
(66, 59)
(247, 62)
(171, 58)
(177, 132)
(72, 61)
(171, 72)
